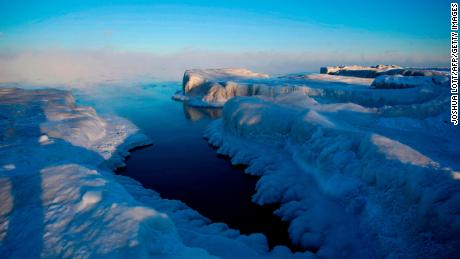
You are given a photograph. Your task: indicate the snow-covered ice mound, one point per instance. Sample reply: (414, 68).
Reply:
(399, 81)
(218, 84)
(358, 71)
(195, 79)
(379, 70)
(354, 179)
(213, 89)
(332, 78)
(58, 197)
(55, 202)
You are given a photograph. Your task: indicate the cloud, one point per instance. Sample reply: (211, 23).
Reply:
(91, 67)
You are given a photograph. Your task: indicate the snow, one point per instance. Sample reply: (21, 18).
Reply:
(380, 70)
(195, 78)
(59, 198)
(197, 231)
(333, 78)
(200, 82)
(358, 172)
(399, 81)
(56, 200)
(214, 90)
(361, 168)
(358, 71)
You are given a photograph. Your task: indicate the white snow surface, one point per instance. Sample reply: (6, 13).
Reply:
(214, 90)
(399, 81)
(197, 83)
(195, 77)
(59, 198)
(332, 78)
(380, 70)
(358, 172)
(358, 71)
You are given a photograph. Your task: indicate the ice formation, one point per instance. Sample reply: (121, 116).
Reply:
(399, 81)
(361, 168)
(380, 70)
(359, 172)
(195, 79)
(214, 90)
(204, 87)
(59, 198)
(212, 87)
(359, 71)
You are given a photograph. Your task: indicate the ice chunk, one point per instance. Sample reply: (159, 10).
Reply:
(358, 71)
(196, 79)
(379, 70)
(399, 81)
(56, 200)
(60, 200)
(352, 181)
(214, 90)
(332, 78)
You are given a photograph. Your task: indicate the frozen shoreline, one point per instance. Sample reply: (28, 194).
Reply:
(85, 209)
(380, 162)
(375, 154)
(214, 87)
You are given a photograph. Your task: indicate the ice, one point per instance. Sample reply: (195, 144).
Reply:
(206, 82)
(358, 71)
(380, 70)
(332, 78)
(361, 168)
(56, 198)
(59, 198)
(197, 231)
(214, 90)
(197, 78)
(358, 172)
(399, 81)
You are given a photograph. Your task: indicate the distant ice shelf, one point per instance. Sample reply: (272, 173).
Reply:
(214, 87)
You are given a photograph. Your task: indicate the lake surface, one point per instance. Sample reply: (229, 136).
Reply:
(181, 165)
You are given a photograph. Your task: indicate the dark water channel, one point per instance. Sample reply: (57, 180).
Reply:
(181, 165)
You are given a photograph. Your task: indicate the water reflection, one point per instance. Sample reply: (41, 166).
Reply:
(196, 114)
(181, 165)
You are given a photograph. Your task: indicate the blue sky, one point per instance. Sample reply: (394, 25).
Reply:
(273, 36)
(357, 26)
